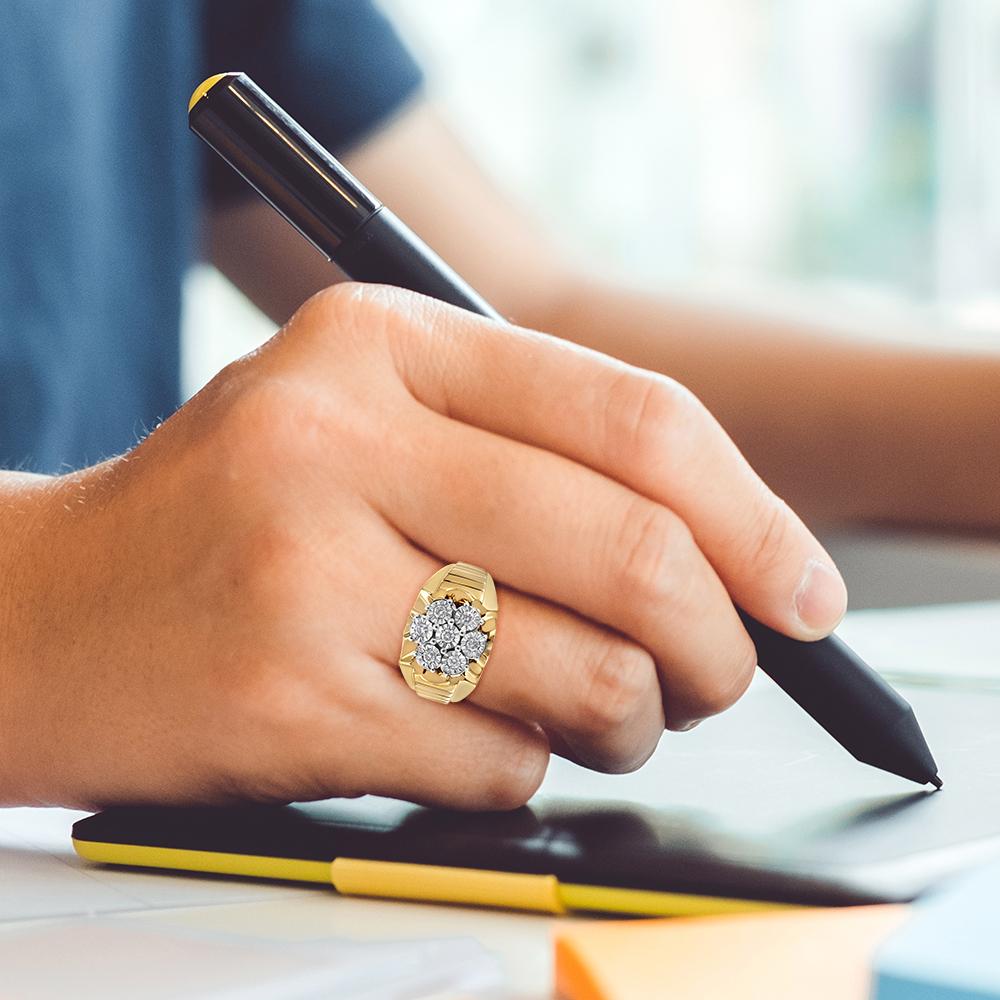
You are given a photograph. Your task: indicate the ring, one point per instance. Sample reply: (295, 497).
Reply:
(449, 633)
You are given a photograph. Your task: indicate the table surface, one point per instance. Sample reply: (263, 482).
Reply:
(43, 884)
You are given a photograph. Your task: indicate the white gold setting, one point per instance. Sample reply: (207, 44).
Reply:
(447, 636)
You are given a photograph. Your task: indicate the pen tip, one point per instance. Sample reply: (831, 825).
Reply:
(937, 782)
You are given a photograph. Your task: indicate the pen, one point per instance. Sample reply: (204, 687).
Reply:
(351, 228)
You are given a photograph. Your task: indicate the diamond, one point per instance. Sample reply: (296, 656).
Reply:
(467, 618)
(429, 656)
(441, 611)
(421, 628)
(473, 644)
(454, 663)
(447, 636)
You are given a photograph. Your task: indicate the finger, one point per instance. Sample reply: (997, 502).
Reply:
(595, 688)
(562, 531)
(594, 691)
(638, 427)
(456, 756)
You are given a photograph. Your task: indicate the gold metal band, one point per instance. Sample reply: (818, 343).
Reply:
(432, 692)
(459, 583)
(465, 575)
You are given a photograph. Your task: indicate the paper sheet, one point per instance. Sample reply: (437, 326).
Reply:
(157, 959)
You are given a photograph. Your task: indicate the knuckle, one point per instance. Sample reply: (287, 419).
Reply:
(341, 324)
(616, 681)
(647, 416)
(378, 342)
(346, 303)
(723, 689)
(762, 548)
(522, 772)
(363, 313)
(651, 552)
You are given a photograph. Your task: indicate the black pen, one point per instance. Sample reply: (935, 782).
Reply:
(352, 228)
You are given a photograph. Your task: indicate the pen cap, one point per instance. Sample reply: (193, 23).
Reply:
(277, 157)
(318, 195)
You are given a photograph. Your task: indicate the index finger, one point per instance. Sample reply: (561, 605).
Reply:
(639, 427)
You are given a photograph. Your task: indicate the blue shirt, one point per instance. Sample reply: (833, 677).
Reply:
(102, 186)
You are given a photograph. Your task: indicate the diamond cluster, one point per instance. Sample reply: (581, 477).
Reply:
(448, 636)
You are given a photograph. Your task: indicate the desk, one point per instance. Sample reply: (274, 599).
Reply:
(43, 882)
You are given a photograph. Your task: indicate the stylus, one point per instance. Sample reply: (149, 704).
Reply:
(352, 228)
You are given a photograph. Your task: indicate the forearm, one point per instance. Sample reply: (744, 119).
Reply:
(847, 428)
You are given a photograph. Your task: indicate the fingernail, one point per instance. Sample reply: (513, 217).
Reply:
(690, 725)
(820, 598)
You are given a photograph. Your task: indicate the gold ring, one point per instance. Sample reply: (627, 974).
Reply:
(449, 633)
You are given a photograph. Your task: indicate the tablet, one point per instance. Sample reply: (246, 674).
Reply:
(756, 808)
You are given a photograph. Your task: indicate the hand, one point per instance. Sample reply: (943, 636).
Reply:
(217, 615)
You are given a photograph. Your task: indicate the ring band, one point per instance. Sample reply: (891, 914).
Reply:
(449, 633)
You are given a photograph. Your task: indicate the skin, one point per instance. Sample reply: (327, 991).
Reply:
(254, 559)
(195, 621)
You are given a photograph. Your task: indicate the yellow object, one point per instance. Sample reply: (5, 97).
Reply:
(399, 880)
(819, 954)
(434, 883)
(610, 899)
(292, 869)
(203, 88)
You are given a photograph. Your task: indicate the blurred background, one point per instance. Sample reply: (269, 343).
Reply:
(847, 144)
(835, 158)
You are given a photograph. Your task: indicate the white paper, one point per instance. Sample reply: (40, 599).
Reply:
(125, 959)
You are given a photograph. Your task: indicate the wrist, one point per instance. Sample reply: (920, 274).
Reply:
(21, 501)
(25, 500)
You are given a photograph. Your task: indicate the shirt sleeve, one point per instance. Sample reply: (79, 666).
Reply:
(337, 66)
